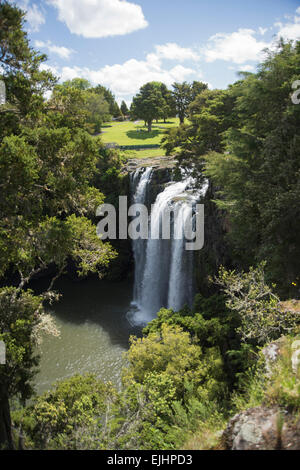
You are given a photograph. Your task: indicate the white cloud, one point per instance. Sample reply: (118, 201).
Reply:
(173, 51)
(238, 47)
(290, 30)
(100, 18)
(34, 15)
(242, 68)
(247, 68)
(242, 46)
(262, 31)
(126, 79)
(49, 68)
(62, 51)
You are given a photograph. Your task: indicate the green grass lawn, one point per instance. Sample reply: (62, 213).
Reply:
(129, 133)
(144, 153)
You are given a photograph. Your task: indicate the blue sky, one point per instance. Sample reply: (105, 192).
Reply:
(122, 44)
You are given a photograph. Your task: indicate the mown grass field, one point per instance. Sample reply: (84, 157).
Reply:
(144, 153)
(136, 134)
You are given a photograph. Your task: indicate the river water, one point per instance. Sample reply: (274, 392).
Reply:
(96, 318)
(91, 316)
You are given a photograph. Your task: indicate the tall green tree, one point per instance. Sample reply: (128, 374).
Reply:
(114, 109)
(182, 98)
(20, 71)
(78, 83)
(210, 115)
(183, 95)
(169, 108)
(75, 103)
(124, 108)
(47, 162)
(148, 104)
(259, 172)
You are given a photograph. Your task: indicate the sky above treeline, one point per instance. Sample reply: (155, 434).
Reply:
(123, 44)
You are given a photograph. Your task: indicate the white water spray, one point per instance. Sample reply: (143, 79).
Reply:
(163, 268)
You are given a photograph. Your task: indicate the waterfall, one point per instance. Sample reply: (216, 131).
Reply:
(139, 185)
(163, 268)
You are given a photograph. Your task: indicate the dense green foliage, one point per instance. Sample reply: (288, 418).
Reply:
(76, 103)
(184, 94)
(47, 164)
(246, 138)
(193, 368)
(148, 103)
(184, 378)
(69, 417)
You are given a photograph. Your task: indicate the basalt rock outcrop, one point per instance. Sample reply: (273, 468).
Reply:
(163, 171)
(157, 163)
(215, 251)
(262, 428)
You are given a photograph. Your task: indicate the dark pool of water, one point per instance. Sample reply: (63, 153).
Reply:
(94, 332)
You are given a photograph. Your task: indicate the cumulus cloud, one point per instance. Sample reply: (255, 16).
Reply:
(247, 68)
(290, 30)
(242, 68)
(173, 51)
(34, 15)
(238, 47)
(62, 51)
(242, 46)
(126, 79)
(100, 18)
(50, 68)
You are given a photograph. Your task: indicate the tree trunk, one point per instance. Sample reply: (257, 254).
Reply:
(6, 440)
(149, 126)
(181, 118)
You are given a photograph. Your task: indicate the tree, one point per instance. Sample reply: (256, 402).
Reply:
(97, 111)
(258, 173)
(124, 109)
(148, 104)
(25, 83)
(46, 197)
(262, 317)
(21, 318)
(71, 416)
(183, 95)
(78, 83)
(75, 104)
(210, 115)
(169, 108)
(114, 109)
(197, 88)
(182, 98)
(171, 352)
(167, 371)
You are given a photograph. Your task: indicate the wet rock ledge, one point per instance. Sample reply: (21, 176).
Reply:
(158, 163)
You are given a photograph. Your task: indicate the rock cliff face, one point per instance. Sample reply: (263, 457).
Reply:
(215, 251)
(276, 426)
(163, 172)
(158, 163)
(262, 428)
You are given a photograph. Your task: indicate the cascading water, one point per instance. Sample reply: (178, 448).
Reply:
(139, 186)
(163, 268)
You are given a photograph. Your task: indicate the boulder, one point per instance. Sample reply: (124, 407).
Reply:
(262, 428)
